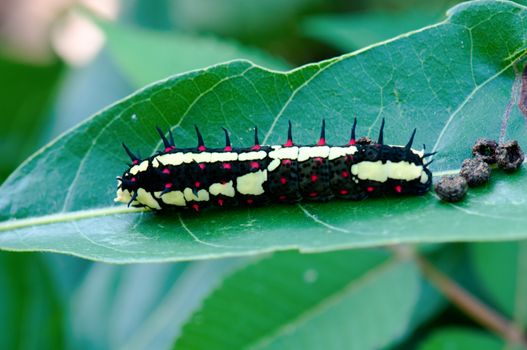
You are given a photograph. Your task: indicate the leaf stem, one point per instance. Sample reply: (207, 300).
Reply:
(473, 307)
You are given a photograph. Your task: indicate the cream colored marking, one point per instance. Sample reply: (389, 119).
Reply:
(284, 152)
(203, 195)
(424, 177)
(223, 157)
(139, 167)
(304, 153)
(168, 159)
(252, 155)
(122, 196)
(414, 151)
(147, 199)
(251, 183)
(188, 157)
(226, 189)
(273, 165)
(203, 157)
(337, 152)
(377, 171)
(174, 198)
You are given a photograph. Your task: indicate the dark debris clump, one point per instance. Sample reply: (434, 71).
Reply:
(509, 156)
(451, 188)
(485, 149)
(475, 171)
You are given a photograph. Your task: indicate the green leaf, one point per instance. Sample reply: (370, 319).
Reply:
(356, 30)
(453, 81)
(145, 56)
(461, 339)
(502, 271)
(338, 300)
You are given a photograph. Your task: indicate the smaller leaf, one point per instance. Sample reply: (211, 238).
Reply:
(461, 339)
(502, 270)
(146, 56)
(345, 300)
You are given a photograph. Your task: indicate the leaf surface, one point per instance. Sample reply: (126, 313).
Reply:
(455, 81)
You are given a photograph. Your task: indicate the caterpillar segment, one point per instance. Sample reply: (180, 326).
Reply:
(199, 177)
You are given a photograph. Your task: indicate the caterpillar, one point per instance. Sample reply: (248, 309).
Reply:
(200, 176)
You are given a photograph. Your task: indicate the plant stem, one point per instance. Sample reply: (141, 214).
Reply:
(473, 307)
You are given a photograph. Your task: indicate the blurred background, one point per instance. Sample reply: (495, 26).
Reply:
(63, 60)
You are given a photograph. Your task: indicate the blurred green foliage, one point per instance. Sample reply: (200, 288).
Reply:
(59, 302)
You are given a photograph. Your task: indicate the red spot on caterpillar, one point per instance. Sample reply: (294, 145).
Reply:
(195, 206)
(319, 160)
(344, 192)
(197, 184)
(250, 201)
(220, 202)
(133, 179)
(282, 197)
(283, 180)
(202, 166)
(314, 178)
(166, 171)
(256, 147)
(345, 174)
(202, 148)
(352, 142)
(398, 189)
(313, 194)
(168, 149)
(168, 185)
(321, 142)
(135, 162)
(226, 165)
(370, 189)
(286, 161)
(255, 165)
(289, 143)
(227, 148)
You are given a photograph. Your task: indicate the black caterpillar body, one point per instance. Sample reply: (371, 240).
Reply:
(199, 177)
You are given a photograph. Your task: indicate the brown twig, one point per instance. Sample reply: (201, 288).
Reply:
(474, 308)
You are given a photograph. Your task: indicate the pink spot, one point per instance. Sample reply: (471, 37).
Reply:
(220, 202)
(227, 148)
(166, 171)
(286, 161)
(135, 161)
(345, 174)
(168, 149)
(202, 148)
(398, 189)
(321, 142)
(195, 206)
(226, 165)
(319, 160)
(283, 180)
(289, 143)
(168, 185)
(256, 147)
(314, 178)
(202, 166)
(133, 179)
(313, 194)
(370, 189)
(197, 184)
(255, 165)
(344, 192)
(250, 201)
(282, 197)
(352, 142)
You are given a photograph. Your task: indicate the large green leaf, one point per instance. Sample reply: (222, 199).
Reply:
(453, 81)
(336, 300)
(502, 271)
